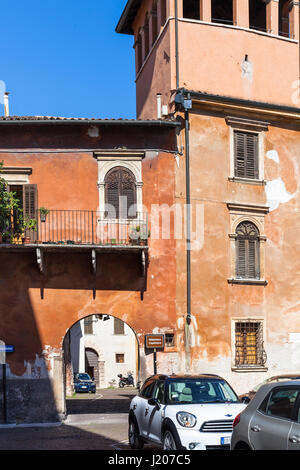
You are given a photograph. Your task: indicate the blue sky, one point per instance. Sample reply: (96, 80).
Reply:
(64, 58)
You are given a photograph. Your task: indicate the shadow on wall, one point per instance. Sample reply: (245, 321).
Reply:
(32, 394)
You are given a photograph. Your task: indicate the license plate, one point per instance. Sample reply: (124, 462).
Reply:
(83, 386)
(225, 440)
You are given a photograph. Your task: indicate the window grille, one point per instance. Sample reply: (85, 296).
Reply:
(120, 358)
(249, 344)
(169, 340)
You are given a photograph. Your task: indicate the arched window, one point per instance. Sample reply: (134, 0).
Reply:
(247, 251)
(120, 193)
(258, 14)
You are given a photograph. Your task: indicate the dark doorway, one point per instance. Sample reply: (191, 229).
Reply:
(92, 365)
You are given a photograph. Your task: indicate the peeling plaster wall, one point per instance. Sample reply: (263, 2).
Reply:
(215, 303)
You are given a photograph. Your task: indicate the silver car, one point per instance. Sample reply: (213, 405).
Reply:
(271, 421)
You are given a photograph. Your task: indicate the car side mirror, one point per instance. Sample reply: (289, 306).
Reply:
(246, 400)
(154, 402)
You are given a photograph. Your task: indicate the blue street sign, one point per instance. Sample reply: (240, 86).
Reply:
(9, 348)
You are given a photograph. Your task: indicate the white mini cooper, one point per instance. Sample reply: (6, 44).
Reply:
(184, 412)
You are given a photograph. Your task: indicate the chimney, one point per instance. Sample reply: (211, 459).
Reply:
(6, 106)
(158, 98)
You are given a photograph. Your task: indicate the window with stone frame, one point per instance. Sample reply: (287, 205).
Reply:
(120, 193)
(118, 327)
(246, 151)
(249, 344)
(247, 251)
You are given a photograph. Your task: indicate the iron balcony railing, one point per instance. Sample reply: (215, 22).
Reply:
(77, 227)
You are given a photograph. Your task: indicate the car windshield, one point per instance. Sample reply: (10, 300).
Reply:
(83, 377)
(200, 391)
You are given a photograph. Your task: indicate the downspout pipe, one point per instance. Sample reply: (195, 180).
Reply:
(176, 45)
(184, 101)
(188, 214)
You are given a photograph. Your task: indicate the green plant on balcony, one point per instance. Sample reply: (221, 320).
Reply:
(10, 212)
(134, 234)
(43, 213)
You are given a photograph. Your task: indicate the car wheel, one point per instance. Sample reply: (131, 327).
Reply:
(169, 441)
(134, 439)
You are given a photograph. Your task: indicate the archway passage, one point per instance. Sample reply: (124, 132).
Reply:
(96, 350)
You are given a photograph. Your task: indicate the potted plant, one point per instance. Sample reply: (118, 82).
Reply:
(9, 211)
(144, 236)
(43, 213)
(28, 224)
(134, 234)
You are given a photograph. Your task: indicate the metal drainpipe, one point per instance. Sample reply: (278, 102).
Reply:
(176, 45)
(188, 214)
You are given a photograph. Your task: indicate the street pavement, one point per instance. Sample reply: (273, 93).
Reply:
(94, 422)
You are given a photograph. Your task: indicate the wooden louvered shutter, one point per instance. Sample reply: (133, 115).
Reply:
(30, 201)
(120, 193)
(30, 207)
(112, 194)
(128, 192)
(118, 327)
(241, 259)
(246, 155)
(247, 252)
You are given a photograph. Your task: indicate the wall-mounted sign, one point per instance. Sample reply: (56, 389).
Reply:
(154, 341)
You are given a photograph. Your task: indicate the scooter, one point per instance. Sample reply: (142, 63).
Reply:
(126, 380)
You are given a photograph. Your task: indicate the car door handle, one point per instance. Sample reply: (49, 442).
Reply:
(255, 428)
(294, 439)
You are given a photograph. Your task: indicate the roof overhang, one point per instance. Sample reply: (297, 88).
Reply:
(124, 25)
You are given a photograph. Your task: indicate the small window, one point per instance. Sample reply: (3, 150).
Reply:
(139, 55)
(284, 18)
(281, 402)
(154, 21)
(191, 9)
(222, 12)
(146, 36)
(118, 327)
(249, 345)
(88, 325)
(120, 358)
(169, 340)
(246, 155)
(147, 390)
(159, 392)
(163, 4)
(258, 15)
(247, 251)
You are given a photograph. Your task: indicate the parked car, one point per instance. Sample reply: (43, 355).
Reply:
(84, 383)
(271, 421)
(275, 378)
(183, 412)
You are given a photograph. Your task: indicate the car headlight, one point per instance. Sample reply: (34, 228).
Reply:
(187, 420)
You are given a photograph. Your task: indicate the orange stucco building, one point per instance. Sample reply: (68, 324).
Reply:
(229, 72)
(211, 166)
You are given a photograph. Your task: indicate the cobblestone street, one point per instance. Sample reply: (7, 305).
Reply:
(94, 422)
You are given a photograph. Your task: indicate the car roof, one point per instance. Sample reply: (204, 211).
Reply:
(183, 376)
(285, 376)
